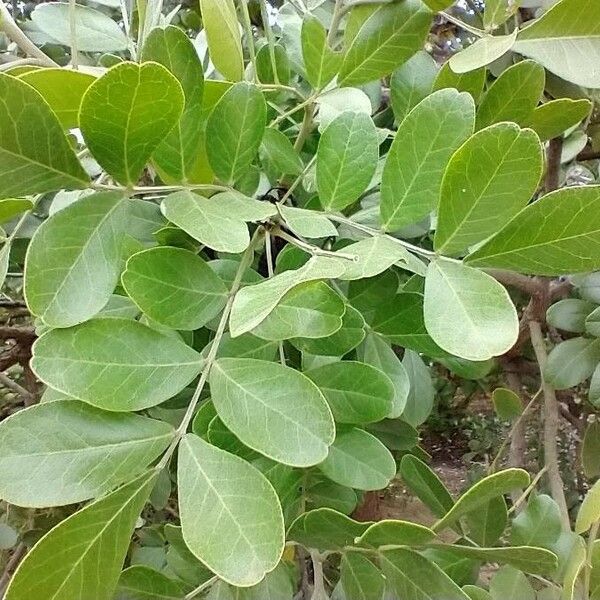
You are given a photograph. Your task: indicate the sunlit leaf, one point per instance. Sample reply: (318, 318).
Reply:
(220, 490)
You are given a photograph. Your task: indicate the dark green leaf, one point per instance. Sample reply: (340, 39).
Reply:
(555, 235)
(127, 113)
(174, 287)
(235, 129)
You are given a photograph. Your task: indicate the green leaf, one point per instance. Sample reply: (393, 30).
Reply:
(320, 61)
(346, 159)
(395, 533)
(467, 312)
(572, 362)
(412, 82)
(590, 451)
(62, 89)
(471, 82)
(218, 222)
(327, 494)
(532, 560)
(96, 32)
(513, 96)
(273, 409)
(325, 530)
(11, 207)
(356, 392)
(177, 154)
(420, 398)
(573, 568)
(555, 235)
(360, 578)
(220, 22)
(88, 453)
(482, 52)
(566, 40)
(487, 525)
(348, 337)
(180, 559)
(115, 364)
(359, 460)
(482, 492)
(496, 13)
(307, 223)
(488, 181)
(29, 165)
(438, 5)
(311, 310)
(65, 563)
(373, 256)
(221, 492)
(413, 577)
(476, 593)
(387, 38)
(507, 404)
(253, 304)
(277, 585)
(570, 314)
(377, 352)
(121, 307)
(592, 322)
(553, 118)
(74, 259)
(127, 113)
(426, 485)
(279, 153)
(401, 321)
(538, 525)
(424, 143)
(508, 582)
(174, 287)
(143, 583)
(235, 129)
(589, 511)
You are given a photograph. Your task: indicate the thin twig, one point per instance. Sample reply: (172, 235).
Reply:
(6, 381)
(293, 110)
(516, 424)
(270, 39)
(212, 355)
(73, 34)
(11, 565)
(21, 62)
(528, 491)
(249, 36)
(298, 180)
(428, 254)
(8, 25)
(338, 13)
(557, 488)
(314, 250)
(271, 272)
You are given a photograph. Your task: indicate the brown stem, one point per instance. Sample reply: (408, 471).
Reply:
(518, 441)
(11, 565)
(550, 433)
(553, 164)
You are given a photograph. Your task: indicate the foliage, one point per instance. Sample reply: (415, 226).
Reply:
(259, 259)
